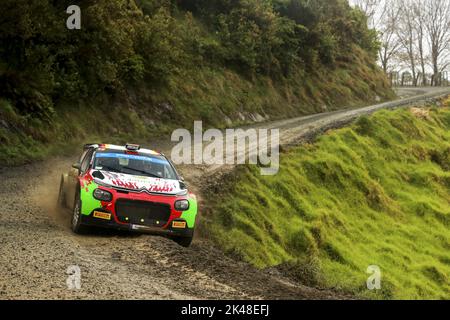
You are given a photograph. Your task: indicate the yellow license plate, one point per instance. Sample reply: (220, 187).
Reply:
(179, 224)
(102, 215)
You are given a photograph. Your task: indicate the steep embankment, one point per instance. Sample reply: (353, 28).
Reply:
(141, 68)
(219, 98)
(375, 193)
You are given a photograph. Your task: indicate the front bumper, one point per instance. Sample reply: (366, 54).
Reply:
(111, 224)
(137, 211)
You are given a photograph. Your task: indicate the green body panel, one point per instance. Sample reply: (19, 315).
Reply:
(190, 214)
(88, 202)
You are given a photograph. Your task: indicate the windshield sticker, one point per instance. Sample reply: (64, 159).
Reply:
(130, 156)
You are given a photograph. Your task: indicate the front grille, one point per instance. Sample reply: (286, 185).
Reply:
(142, 212)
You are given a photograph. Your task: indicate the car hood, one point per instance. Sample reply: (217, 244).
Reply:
(137, 183)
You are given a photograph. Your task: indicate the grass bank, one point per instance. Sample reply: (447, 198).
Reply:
(374, 193)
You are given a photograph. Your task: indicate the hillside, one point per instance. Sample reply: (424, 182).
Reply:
(375, 193)
(138, 69)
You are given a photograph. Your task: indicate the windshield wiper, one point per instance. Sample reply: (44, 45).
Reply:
(111, 169)
(143, 172)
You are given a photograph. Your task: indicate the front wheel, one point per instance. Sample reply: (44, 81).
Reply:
(183, 241)
(77, 227)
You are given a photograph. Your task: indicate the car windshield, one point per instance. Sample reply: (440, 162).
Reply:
(140, 165)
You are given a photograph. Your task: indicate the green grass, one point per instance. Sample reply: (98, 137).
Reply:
(375, 193)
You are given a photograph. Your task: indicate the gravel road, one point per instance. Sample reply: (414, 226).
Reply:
(37, 246)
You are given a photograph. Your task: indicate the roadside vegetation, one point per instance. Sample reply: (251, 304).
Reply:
(374, 193)
(141, 68)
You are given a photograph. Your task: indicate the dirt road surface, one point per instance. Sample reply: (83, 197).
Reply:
(37, 247)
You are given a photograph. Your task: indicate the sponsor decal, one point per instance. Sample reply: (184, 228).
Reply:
(137, 183)
(179, 224)
(102, 215)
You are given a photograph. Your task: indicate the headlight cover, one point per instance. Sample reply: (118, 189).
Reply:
(182, 205)
(102, 195)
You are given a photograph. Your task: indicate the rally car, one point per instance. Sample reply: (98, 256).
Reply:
(128, 188)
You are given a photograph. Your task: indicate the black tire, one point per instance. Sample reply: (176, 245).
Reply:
(183, 241)
(76, 225)
(61, 195)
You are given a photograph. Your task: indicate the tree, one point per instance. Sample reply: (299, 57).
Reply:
(407, 35)
(387, 32)
(370, 8)
(437, 25)
(382, 16)
(419, 26)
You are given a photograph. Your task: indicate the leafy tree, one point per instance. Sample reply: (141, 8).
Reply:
(130, 43)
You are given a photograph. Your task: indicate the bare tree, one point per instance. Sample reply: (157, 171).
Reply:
(371, 9)
(407, 35)
(382, 16)
(413, 35)
(437, 25)
(387, 34)
(418, 9)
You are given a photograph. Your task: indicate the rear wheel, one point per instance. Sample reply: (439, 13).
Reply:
(77, 227)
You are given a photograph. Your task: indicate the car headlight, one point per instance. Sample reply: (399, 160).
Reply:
(102, 195)
(182, 205)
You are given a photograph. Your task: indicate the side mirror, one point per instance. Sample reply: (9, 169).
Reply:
(183, 185)
(76, 166)
(181, 178)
